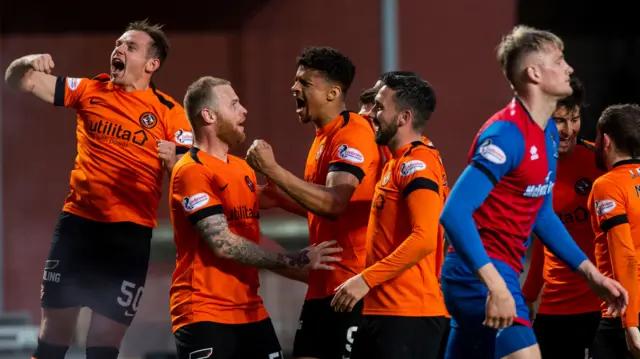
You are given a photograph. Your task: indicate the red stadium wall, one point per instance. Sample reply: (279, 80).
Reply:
(450, 45)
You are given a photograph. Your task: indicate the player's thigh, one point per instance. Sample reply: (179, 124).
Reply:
(258, 341)
(62, 290)
(66, 263)
(470, 339)
(517, 342)
(565, 336)
(207, 340)
(398, 337)
(117, 279)
(323, 333)
(610, 344)
(445, 339)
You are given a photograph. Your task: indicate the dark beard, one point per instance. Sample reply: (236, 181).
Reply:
(599, 156)
(384, 136)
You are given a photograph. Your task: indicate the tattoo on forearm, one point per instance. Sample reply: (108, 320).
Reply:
(215, 231)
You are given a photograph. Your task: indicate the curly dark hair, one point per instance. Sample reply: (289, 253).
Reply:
(576, 99)
(334, 65)
(368, 96)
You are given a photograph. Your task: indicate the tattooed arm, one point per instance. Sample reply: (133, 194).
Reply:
(225, 244)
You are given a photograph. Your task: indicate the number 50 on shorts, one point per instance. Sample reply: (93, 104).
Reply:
(130, 297)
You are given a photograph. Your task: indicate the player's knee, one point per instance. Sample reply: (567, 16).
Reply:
(58, 325)
(102, 352)
(46, 350)
(105, 332)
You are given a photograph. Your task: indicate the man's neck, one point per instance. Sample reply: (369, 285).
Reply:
(212, 145)
(142, 84)
(616, 157)
(540, 107)
(329, 115)
(401, 140)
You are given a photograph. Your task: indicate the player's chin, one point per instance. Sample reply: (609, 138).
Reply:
(240, 137)
(117, 78)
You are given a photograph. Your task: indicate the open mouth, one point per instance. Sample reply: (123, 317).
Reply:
(117, 65)
(300, 105)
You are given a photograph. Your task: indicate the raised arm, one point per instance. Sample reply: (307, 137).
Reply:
(32, 73)
(353, 155)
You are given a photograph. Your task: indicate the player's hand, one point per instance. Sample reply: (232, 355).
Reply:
(260, 157)
(632, 336)
(40, 63)
(532, 311)
(349, 293)
(318, 256)
(167, 154)
(268, 195)
(611, 292)
(501, 309)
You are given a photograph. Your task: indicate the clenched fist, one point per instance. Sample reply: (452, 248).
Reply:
(40, 63)
(260, 157)
(167, 154)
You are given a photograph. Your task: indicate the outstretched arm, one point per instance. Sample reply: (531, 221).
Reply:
(214, 230)
(294, 274)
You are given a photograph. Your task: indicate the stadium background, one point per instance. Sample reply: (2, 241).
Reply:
(254, 43)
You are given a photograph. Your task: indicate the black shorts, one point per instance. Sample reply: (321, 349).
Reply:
(102, 266)
(382, 337)
(208, 340)
(610, 341)
(323, 333)
(566, 336)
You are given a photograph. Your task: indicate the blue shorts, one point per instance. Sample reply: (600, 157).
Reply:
(465, 297)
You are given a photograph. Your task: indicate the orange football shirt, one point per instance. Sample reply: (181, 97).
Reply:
(404, 236)
(345, 144)
(614, 205)
(564, 291)
(117, 175)
(205, 287)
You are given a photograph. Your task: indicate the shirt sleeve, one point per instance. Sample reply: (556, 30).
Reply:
(192, 188)
(418, 185)
(554, 235)
(354, 151)
(535, 281)
(179, 130)
(70, 91)
(611, 216)
(500, 150)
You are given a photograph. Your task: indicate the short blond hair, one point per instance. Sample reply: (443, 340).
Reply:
(523, 40)
(200, 95)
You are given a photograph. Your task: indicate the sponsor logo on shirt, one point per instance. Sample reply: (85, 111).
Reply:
(492, 153)
(350, 154)
(540, 190)
(411, 167)
(605, 206)
(194, 202)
